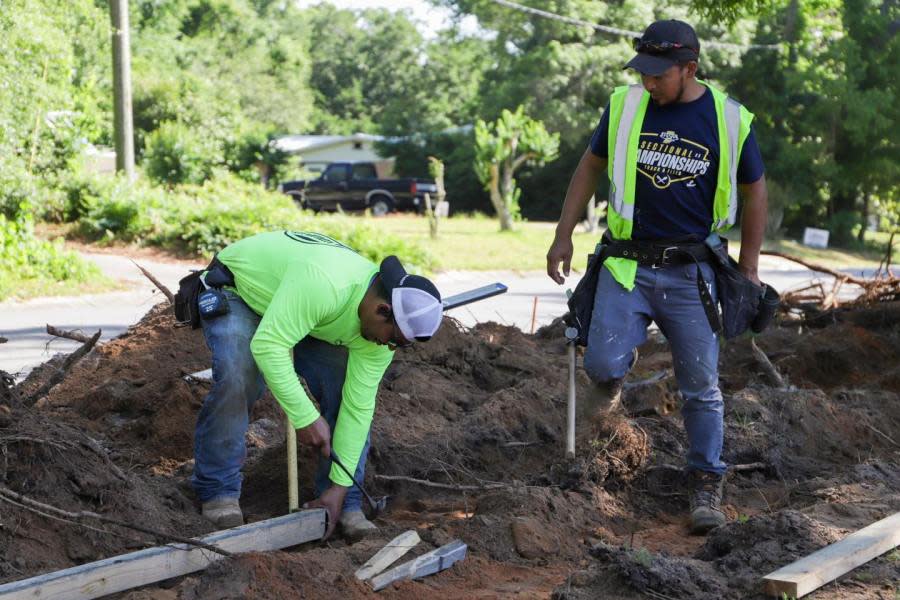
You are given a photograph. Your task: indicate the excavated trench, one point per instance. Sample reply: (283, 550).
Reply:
(481, 413)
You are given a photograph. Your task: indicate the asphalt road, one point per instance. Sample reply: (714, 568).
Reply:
(532, 300)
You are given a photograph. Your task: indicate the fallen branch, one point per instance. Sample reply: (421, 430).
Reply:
(444, 486)
(820, 268)
(6, 493)
(69, 335)
(767, 365)
(884, 435)
(157, 283)
(67, 364)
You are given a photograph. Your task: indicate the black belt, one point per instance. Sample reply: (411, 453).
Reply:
(659, 254)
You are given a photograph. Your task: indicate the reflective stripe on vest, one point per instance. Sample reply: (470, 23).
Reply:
(735, 116)
(620, 159)
(733, 125)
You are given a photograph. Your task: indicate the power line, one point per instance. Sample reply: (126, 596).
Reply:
(622, 32)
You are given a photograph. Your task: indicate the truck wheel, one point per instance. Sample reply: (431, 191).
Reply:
(380, 206)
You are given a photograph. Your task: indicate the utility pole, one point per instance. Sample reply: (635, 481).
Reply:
(123, 125)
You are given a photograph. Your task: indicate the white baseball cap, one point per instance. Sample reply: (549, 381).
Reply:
(415, 301)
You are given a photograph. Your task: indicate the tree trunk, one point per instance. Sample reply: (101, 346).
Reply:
(865, 218)
(497, 200)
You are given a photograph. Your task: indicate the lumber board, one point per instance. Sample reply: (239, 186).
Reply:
(135, 569)
(812, 572)
(382, 559)
(427, 564)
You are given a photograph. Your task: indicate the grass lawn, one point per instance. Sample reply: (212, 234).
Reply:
(25, 289)
(468, 243)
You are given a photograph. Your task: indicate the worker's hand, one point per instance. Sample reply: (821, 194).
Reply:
(317, 434)
(560, 252)
(332, 500)
(750, 273)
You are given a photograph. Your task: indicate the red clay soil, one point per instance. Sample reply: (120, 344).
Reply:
(482, 407)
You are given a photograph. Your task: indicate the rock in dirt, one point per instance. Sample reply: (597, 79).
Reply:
(533, 539)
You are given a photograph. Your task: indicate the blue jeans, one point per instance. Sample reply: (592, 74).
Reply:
(669, 297)
(219, 438)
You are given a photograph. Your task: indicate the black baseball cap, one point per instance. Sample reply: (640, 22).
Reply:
(664, 44)
(415, 301)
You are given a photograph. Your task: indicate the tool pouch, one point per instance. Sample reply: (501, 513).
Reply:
(768, 306)
(581, 302)
(742, 301)
(185, 305)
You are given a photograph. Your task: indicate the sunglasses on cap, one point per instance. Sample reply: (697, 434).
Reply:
(656, 47)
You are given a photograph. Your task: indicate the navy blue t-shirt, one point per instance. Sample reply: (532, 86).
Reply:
(678, 165)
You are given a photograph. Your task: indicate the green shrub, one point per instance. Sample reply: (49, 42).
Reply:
(112, 208)
(26, 259)
(177, 154)
(844, 225)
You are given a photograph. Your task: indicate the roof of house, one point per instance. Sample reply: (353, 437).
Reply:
(296, 144)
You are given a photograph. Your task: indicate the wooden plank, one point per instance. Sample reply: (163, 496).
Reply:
(812, 572)
(396, 548)
(427, 564)
(127, 571)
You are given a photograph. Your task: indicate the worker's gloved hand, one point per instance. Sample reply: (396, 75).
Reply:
(560, 252)
(332, 500)
(317, 434)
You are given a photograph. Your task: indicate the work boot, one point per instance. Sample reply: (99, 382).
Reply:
(355, 525)
(706, 499)
(224, 512)
(605, 397)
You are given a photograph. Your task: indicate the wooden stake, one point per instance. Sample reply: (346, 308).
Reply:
(396, 548)
(533, 314)
(812, 572)
(427, 564)
(293, 485)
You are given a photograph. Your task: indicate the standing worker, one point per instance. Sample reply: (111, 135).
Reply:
(677, 151)
(284, 304)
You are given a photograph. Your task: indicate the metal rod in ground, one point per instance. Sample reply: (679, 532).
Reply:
(570, 424)
(293, 486)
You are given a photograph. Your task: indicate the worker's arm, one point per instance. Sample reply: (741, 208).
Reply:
(581, 188)
(304, 299)
(366, 365)
(755, 198)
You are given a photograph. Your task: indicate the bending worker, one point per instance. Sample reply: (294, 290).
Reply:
(678, 153)
(302, 304)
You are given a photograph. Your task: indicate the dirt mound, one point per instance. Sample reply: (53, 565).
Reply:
(468, 439)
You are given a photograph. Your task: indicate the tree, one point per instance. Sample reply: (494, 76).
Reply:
(501, 148)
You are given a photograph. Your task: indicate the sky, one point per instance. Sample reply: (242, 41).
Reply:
(434, 18)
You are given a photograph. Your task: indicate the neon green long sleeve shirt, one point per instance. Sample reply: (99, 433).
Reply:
(306, 284)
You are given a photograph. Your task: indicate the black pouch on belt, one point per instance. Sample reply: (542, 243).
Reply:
(185, 305)
(212, 301)
(581, 302)
(745, 305)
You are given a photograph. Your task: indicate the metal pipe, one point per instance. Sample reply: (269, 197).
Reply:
(570, 429)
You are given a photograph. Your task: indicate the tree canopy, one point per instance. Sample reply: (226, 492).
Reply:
(215, 80)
